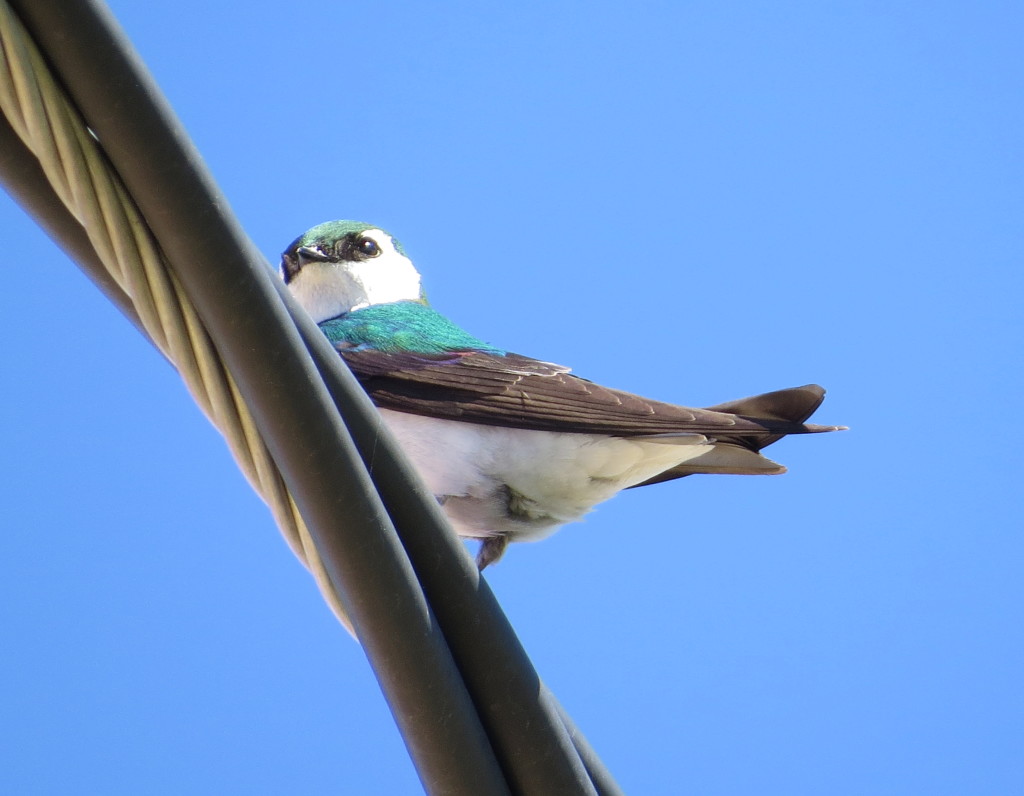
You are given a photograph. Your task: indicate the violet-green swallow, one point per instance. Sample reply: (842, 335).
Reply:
(512, 447)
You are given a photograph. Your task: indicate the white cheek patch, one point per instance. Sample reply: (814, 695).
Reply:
(389, 277)
(327, 290)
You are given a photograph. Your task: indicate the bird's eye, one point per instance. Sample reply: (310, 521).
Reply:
(367, 247)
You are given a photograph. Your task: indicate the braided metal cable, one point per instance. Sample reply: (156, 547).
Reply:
(73, 161)
(438, 641)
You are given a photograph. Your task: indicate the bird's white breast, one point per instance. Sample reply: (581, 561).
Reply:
(524, 483)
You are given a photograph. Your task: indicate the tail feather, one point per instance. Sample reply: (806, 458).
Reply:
(740, 454)
(793, 405)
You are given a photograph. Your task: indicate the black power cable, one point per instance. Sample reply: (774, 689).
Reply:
(230, 284)
(232, 287)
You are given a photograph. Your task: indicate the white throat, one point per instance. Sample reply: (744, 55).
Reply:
(327, 290)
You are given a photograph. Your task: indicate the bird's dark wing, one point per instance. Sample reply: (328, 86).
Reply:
(519, 392)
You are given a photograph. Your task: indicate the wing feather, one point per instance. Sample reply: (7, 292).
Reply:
(516, 391)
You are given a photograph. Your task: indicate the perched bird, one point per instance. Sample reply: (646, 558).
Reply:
(512, 447)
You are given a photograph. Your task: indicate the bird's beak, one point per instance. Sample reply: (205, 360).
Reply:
(307, 254)
(304, 255)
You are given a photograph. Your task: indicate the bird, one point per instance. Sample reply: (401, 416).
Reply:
(511, 447)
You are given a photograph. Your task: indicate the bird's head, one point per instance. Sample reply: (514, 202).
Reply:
(342, 266)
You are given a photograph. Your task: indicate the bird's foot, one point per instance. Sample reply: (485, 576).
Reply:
(491, 549)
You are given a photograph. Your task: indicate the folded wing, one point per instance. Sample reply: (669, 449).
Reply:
(516, 391)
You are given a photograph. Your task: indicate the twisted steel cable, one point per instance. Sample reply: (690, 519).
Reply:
(534, 743)
(72, 159)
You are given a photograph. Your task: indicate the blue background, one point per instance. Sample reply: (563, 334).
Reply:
(692, 201)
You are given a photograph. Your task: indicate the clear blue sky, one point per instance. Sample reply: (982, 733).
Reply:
(692, 201)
